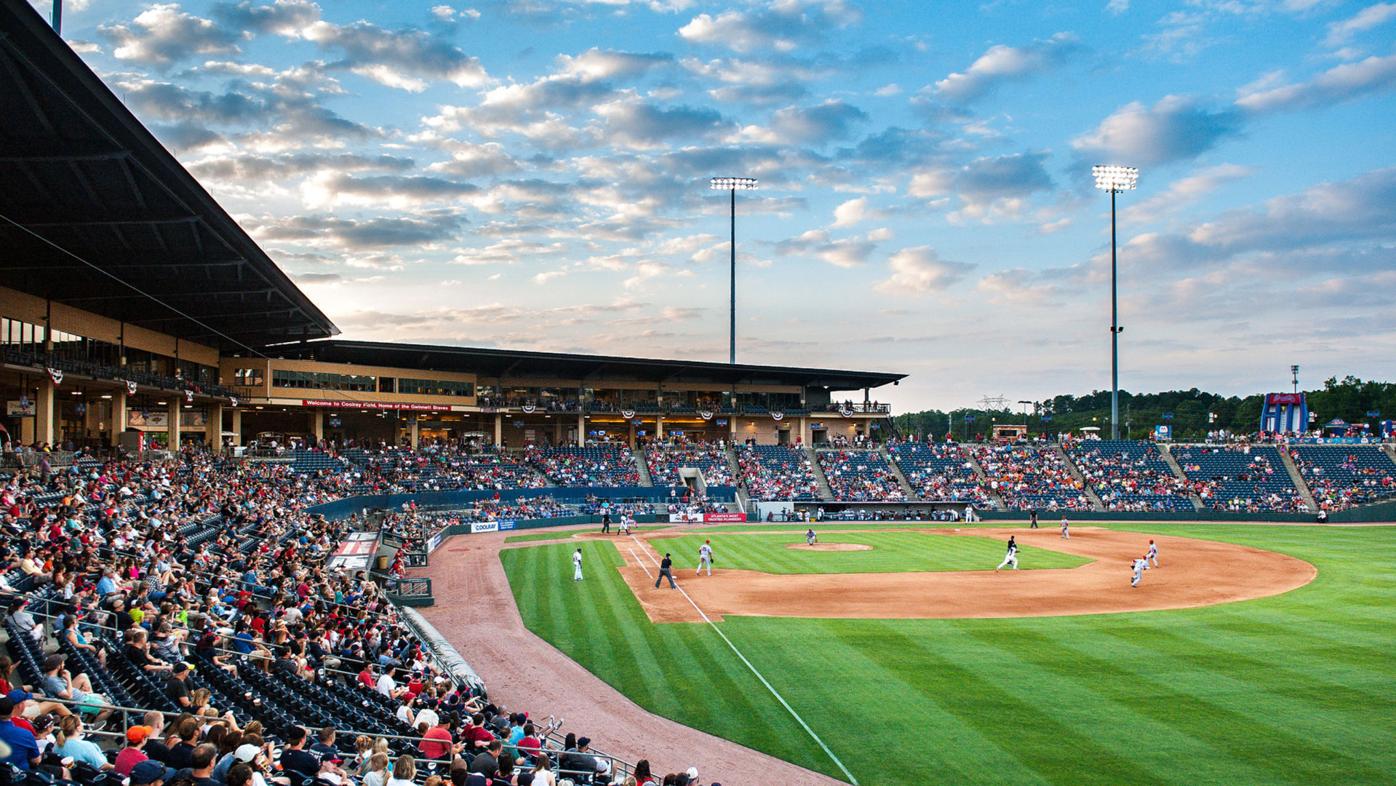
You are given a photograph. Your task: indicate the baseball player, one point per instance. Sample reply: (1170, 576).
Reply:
(666, 571)
(811, 538)
(1140, 564)
(1151, 554)
(705, 558)
(1012, 557)
(626, 523)
(1032, 519)
(1066, 528)
(577, 565)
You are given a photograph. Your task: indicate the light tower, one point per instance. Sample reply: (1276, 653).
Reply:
(733, 185)
(1114, 179)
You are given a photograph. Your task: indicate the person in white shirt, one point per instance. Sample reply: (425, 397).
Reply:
(1151, 554)
(1066, 528)
(705, 558)
(1139, 565)
(1011, 559)
(386, 684)
(577, 565)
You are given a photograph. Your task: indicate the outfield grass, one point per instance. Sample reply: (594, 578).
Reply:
(1297, 688)
(892, 552)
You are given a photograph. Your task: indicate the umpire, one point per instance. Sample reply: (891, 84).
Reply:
(666, 571)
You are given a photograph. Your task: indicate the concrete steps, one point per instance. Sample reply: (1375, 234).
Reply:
(826, 493)
(1166, 452)
(643, 465)
(1096, 503)
(1296, 477)
(897, 472)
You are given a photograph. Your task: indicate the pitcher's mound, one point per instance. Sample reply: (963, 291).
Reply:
(830, 547)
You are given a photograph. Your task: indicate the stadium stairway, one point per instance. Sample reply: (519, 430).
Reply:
(983, 477)
(1297, 478)
(897, 472)
(642, 463)
(1075, 471)
(1166, 453)
(1390, 450)
(826, 493)
(743, 499)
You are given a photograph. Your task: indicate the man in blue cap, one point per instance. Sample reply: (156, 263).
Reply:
(150, 773)
(24, 750)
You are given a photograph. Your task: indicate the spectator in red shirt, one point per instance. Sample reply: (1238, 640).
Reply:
(437, 743)
(478, 736)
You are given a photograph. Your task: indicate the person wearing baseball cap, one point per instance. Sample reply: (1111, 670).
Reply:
(23, 750)
(150, 773)
(134, 752)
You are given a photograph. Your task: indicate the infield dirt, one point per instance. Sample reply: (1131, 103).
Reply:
(1192, 573)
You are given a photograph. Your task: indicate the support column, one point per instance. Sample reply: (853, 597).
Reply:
(732, 426)
(213, 427)
(659, 428)
(174, 410)
(804, 432)
(557, 431)
(581, 430)
(317, 426)
(118, 416)
(236, 428)
(412, 432)
(45, 411)
(499, 429)
(92, 421)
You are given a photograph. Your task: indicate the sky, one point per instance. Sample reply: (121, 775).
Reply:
(533, 174)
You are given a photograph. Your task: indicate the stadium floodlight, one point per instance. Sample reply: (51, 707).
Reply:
(1114, 179)
(732, 185)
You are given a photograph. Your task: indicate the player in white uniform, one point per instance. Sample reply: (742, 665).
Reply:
(1012, 557)
(811, 538)
(1066, 528)
(1140, 564)
(705, 558)
(1151, 554)
(577, 565)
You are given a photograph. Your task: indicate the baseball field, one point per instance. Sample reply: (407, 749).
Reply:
(1295, 686)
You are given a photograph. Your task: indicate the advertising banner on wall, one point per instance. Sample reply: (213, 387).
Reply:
(723, 518)
(685, 518)
(159, 419)
(477, 527)
(507, 524)
(375, 405)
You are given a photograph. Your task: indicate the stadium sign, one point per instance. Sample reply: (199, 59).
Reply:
(723, 518)
(685, 518)
(507, 524)
(392, 405)
(777, 416)
(705, 414)
(476, 527)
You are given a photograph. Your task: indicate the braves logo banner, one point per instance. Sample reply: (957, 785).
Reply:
(131, 388)
(55, 374)
(233, 400)
(529, 409)
(628, 414)
(189, 396)
(705, 414)
(846, 411)
(777, 416)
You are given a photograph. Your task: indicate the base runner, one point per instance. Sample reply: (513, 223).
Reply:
(1151, 554)
(1011, 559)
(1139, 565)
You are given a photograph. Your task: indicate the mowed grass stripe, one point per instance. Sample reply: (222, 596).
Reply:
(890, 552)
(681, 671)
(1243, 710)
(1161, 711)
(896, 724)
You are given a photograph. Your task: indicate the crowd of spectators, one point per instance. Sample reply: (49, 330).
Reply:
(438, 467)
(1341, 477)
(1130, 475)
(940, 471)
(860, 476)
(1240, 478)
(196, 589)
(606, 464)
(777, 472)
(665, 459)
(1030, 477)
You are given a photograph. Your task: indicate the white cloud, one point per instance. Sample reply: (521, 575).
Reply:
(919, 270)
(164, 33)
(1337, 84)
(1001, 63)
(1177, 127)
(1340, 33)
(851, 212)
(1185, 191)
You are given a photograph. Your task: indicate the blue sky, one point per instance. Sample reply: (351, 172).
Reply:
(533, 174)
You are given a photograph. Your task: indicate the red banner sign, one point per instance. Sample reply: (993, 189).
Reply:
(376, 405)
(723, 518)
(1284, 398)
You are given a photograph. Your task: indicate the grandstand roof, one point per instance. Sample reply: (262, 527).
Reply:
(87, 181)
(516, 364)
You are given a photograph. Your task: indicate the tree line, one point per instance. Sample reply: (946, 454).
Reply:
(1191, 413)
